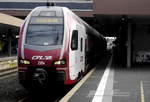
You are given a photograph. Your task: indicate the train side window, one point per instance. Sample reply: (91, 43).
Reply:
(74, 40)
(81, 44)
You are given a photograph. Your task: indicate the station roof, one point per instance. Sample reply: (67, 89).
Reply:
(8, 23)
(10, 20)
(30, 4)
(23, 7)
(41, 0)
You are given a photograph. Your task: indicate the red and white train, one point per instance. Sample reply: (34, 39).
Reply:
(55, 45)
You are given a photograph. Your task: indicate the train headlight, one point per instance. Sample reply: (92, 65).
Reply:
(24, 62)
(60, 62)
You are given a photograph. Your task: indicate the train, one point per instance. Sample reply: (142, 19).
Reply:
(56, 46)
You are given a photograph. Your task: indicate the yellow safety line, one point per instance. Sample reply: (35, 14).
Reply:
(77, 86)
(142, 92)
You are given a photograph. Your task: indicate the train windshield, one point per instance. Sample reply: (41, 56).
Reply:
(45, 31)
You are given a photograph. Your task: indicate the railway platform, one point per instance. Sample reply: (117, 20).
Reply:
(8, 63)
(2, 59)
(111, 82)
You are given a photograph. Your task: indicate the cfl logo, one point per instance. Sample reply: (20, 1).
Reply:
(41, 57)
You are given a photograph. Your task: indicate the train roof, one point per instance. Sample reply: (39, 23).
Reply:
(48, 11)
(48, 8)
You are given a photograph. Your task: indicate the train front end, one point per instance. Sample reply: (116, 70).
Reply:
(40, 47)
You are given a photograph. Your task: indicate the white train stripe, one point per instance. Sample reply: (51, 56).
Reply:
(24, 33)
(64, 39)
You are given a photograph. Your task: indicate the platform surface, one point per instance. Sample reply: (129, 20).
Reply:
(121, 85)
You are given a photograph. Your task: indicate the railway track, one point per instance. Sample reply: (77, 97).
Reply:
(64, 93)
(8, 67)
(8, 72)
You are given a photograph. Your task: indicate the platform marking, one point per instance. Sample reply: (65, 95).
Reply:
(21, 100)
(76, 87)
(142, 92)
(98, 97)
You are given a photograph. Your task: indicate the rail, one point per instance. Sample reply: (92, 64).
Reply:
(8, 66)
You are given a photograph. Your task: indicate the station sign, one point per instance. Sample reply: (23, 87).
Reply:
(46, 20)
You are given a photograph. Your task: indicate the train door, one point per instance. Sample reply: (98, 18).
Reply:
(77, 52)
(82, 49)
(73, 55)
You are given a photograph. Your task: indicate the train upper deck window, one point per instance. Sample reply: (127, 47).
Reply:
(45, 31)
(74, 40)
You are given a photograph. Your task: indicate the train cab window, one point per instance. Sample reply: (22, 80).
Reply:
(81, 45)
(45, 31)
(44, 35)
(74, 40)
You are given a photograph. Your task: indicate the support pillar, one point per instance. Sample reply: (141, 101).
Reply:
(129, 46)
(9, 34)
(9, 46)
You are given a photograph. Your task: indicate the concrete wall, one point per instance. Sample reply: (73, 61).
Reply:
(84, 13)
(26, 12)
(141, 43)
(122, 7)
